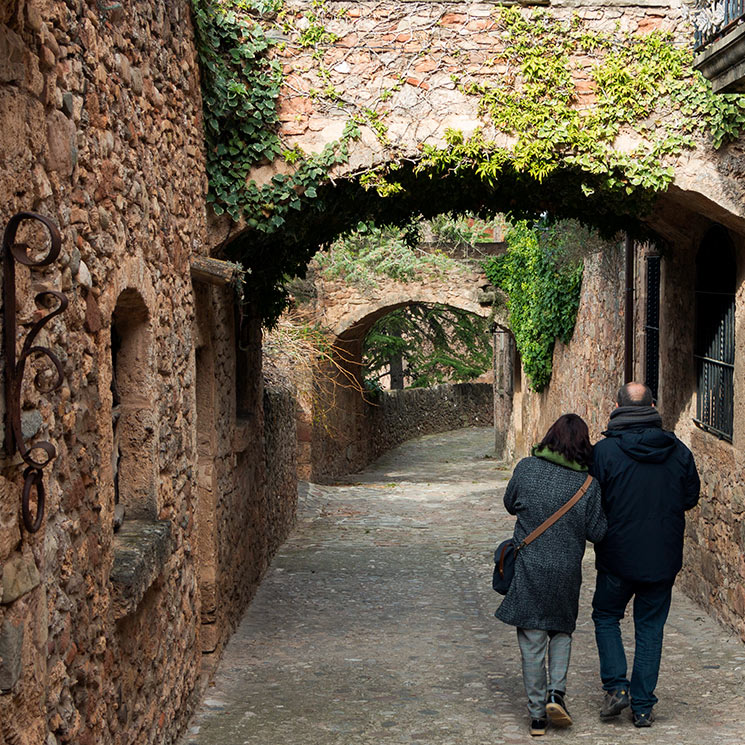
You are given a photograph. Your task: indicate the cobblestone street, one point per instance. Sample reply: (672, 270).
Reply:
(375, 625)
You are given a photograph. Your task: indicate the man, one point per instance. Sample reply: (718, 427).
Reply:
(648, 480)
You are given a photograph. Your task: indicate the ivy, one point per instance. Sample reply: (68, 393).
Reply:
(641, 82)
(563, 159)
(240, 89)
(542, 277)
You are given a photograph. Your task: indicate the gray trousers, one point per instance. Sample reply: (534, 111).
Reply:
(534, 643)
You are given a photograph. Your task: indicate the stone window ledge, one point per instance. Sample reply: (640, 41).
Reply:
(141, 549)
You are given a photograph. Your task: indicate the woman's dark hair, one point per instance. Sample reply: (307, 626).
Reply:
(569, 436)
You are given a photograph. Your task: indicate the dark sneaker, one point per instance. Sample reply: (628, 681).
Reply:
(614, 703)
(557, 710)
(642, 718)
(538, 727)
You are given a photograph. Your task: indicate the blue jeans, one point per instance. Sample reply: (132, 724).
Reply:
(651, 606)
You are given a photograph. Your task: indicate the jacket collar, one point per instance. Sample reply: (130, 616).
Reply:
(553, 457)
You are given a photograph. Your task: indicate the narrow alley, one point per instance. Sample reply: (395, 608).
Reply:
(375, 625)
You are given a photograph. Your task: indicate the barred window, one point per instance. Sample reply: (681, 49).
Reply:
(652, 326)
(716, 271)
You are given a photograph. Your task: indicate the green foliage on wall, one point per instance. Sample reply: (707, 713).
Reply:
(372, 253)
(563, 160)
(542, 276)
(644, 83)
(240, 87)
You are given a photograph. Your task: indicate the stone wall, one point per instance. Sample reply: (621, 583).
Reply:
(588, 371)
(347, 309)
(280, 446)
(102, 633)
(340, 428)
(101, 130)
(398, 416)
(358, 432)
(714, 568)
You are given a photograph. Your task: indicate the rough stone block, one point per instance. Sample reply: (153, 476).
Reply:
(11, 652)
(61, 154)
(31, 423)
(209, 637)
(13, 113)
(12, 69)
(20, 576)
(241, 437)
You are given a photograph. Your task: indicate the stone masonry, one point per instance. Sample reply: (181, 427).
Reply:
(162, 413)
(408, 62)
(102, 634)
(340, 429)
(589, 370)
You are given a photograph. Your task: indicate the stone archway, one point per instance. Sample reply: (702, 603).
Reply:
(405, 73)
(407, 52)
(341, 429)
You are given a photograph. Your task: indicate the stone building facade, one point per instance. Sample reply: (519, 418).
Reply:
(670, 322)
(161, 415)
(162, 422)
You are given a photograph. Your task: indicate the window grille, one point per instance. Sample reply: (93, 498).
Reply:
(716, 270)
(652, 327)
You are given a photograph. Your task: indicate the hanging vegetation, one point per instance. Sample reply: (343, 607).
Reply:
(541, 272)
(561, 159)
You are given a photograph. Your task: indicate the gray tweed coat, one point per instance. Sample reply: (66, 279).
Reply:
(548, 572)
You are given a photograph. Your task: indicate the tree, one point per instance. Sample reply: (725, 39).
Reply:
(427, 345)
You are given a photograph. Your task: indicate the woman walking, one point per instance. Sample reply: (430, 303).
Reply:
(543, 599)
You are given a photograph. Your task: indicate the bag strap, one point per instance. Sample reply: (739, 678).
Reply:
(558, 514)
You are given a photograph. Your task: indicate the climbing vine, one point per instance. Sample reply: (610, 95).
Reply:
(564, 158)
(240, 90)
(642, 82)
(541, 272)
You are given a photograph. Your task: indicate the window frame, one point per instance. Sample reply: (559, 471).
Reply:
(714, 352)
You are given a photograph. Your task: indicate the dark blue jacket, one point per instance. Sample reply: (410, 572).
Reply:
(648, 479)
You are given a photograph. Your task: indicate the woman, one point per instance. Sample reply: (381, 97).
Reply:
(543, 598)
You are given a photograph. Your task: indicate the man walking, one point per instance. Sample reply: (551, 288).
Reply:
(648, 480)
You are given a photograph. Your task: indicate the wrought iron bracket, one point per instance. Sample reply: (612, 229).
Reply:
(15, 364)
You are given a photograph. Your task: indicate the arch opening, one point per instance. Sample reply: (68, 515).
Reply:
(420, 345)
(134, 461)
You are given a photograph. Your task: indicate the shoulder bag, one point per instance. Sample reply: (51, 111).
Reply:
(504, 556)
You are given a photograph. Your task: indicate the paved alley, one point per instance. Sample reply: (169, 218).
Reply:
(375, 625)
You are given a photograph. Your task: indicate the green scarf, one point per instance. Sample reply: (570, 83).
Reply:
(554, 457)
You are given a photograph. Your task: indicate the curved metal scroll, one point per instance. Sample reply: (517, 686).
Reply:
(15, 367)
